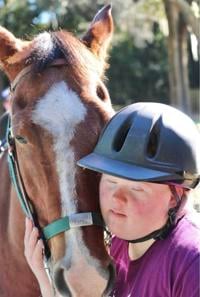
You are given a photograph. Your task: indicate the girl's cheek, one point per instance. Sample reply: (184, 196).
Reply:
(103, 191)
(102, 195)
(105, 197)
(139, 205)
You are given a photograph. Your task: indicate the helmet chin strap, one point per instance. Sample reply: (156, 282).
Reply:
(163, 232)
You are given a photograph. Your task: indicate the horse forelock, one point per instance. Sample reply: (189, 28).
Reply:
(48, 46)
(45, 49)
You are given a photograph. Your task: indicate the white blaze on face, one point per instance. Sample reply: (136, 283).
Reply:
(59, 111)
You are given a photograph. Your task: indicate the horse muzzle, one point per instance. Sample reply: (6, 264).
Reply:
(70, 281)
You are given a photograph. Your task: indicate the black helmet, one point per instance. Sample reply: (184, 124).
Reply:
(149, 142)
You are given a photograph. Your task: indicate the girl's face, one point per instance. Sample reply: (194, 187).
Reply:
(133, 209)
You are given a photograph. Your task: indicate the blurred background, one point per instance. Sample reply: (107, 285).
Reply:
(155, 49)
(154, 54)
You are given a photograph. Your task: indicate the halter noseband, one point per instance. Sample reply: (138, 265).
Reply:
(62, 224)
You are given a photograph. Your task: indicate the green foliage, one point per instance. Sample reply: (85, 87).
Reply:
(18, 17)
(135, 73)
(139, 74)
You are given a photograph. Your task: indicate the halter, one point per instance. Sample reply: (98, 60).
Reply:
(62, 224)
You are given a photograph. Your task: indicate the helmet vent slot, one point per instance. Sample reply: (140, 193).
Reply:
(121, 136)
(153, 142)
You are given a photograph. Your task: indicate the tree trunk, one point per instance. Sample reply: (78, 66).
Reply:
(178, 57)
(1, 88)
(184, 64)
(190, 19)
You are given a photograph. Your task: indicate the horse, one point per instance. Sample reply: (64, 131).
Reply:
(59, 107)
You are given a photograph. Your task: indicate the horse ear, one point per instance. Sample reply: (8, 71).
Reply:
(100, 32)
(9, 46)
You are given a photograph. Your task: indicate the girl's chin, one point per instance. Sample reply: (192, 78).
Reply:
(117, 230)
(120, 231)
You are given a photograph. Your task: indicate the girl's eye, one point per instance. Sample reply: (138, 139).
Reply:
(137, 189)
(111, 184)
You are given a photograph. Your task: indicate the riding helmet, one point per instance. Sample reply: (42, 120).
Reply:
(150, 142)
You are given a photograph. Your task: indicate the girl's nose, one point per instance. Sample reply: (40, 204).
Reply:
(120, 195)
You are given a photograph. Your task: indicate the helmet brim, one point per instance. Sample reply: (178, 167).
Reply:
(120, 169)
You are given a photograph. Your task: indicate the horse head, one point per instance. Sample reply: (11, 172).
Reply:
(59, 106)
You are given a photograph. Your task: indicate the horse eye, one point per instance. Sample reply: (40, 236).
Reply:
(21, 139)
(101, 93)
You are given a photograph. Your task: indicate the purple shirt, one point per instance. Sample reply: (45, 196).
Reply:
(169, 268)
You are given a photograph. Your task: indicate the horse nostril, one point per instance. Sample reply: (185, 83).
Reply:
(60, 282)
(111, 280)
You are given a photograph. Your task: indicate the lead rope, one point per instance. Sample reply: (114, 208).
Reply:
(49, 274)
